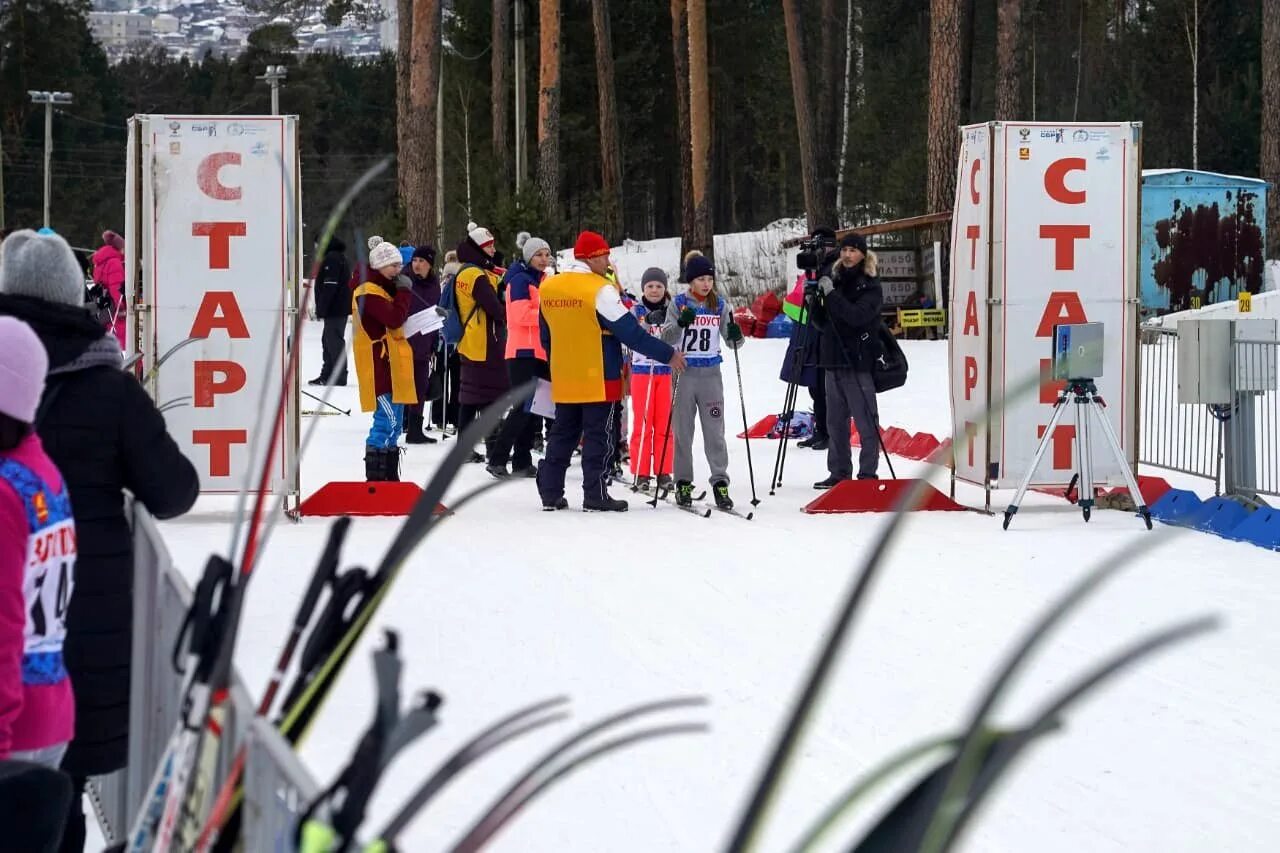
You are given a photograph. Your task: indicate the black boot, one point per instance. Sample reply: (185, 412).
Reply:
(829, 483)
(605, 504)
(721, 492)
(372, 464)
(413, 423)
(391, 465)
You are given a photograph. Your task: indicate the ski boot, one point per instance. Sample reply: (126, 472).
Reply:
(721, 492)
(643, 484)
(664, 482)
(684, 493)
(605, 504)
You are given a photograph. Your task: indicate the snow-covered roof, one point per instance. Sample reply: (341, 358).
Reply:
(1151, 173)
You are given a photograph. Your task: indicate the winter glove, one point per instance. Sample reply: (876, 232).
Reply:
(686, 318)
(656, 318)
(826, 285)
(403, 283)
(733, 334)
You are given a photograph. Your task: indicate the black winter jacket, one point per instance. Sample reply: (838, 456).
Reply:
(333, 297)
(105, 435)
(849, 318)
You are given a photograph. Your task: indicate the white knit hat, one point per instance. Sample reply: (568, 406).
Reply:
(23, 365)
(479, 235)
(384, 255)
(40, 265)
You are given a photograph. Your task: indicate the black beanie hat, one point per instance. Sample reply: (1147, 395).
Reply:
(854, 241)
(427, 253)
(698, 266)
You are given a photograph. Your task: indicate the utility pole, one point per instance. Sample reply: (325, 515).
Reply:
(48, 99)
(520, 95)
(275, 76)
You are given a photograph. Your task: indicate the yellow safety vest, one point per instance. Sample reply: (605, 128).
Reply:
(568, 305)
(395, 348)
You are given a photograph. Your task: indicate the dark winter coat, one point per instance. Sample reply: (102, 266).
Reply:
(426, 296)
(800, 365)
(105, 435)
(849, 318)
(333, 297)
(483, 380)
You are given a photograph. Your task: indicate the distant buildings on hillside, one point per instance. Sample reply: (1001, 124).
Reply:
(198, 28)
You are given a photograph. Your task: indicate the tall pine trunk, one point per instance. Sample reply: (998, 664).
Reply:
(549, 106)
(404, 60)
(805, 128)
(944, 103)
(424, 88)
(1271, 120)
(610, 150)
(1008, 60)
(500, 64)
(680, 51)
(828, 105)
(700, 126)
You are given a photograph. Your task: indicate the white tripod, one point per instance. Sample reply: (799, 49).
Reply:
(1085, 395)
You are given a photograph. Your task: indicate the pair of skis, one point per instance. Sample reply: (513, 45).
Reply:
(699, 507)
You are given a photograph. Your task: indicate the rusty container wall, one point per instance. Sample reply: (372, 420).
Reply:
(1203, 237)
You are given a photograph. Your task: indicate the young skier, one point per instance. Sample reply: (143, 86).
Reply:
(696, 322)
(37, 564)
(651, 448)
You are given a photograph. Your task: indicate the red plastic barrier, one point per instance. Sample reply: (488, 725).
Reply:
(896, 440)
(761, 427)
(766, 306)
(879, 496)
(1152, 488)
(922, 446)
(363, 499)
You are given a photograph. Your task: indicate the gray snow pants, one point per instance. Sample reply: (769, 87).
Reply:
(852, 394)
(700, 392)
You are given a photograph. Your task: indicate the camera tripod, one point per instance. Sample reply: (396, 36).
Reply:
(1084, 393)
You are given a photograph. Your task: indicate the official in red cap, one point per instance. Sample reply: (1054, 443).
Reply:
(584, 326)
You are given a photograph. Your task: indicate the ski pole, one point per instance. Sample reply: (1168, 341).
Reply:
(666, 439)
(644, 431)
(325, 402)
(746, 430)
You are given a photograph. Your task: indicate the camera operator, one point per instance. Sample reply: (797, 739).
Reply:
(800, 365)
(847, 312)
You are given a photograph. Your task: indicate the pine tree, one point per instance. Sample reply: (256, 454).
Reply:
(424, 88)
(680, 52)
(805, 123)
(499, 66)
(610, 150)
(1008, 60)
(1271, 120)
(549, 105)
(944, 102)
(700, 126)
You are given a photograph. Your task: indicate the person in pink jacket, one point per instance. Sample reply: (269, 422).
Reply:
(108, 271)
(37, 564)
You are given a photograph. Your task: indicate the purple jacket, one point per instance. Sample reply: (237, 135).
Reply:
(426, 296)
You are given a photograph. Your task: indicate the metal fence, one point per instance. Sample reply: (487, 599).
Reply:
(1176, 437)
(161, 597)
(277, 787)
(1235, 445)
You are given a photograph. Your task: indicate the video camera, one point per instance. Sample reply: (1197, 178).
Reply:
(813, 251)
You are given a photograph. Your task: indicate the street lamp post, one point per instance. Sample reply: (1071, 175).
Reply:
(275, 75)
(48, 99)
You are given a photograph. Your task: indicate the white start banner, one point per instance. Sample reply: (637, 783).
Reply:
(969, 314)
(1063, 219)
(214, 206)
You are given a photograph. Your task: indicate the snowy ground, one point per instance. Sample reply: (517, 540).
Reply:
(507, 604)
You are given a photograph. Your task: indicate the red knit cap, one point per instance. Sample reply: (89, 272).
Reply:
(590, 245)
